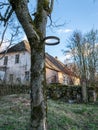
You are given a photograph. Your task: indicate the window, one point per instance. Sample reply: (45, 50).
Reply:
(27, 75)
(18, 79)
(11, 78)
(54, 79)
(17, 59)
(5, 60)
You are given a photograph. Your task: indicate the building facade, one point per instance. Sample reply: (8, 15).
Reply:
(15, 67)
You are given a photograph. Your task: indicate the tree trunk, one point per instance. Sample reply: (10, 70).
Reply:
(84, 92)
(38, 105)
(35, 32)
(95, 96)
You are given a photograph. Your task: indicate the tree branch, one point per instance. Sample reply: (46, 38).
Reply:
(7, 15)
(3, 4)
(22, 13)
(3, 34)
(51, 5)
(11, 40)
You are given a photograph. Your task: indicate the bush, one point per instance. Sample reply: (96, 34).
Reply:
(13, 89)
(56, 91)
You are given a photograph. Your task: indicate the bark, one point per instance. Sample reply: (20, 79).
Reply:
(84, 84)
(35, 32)
(95, 96)
(84, 92)
(38, 106)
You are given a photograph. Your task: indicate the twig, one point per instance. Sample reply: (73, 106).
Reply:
(3, 35)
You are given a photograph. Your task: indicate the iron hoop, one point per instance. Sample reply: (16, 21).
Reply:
(51, 37)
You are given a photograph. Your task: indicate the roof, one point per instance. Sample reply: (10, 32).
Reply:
(51, 62)
(55, 64)
(21, 46)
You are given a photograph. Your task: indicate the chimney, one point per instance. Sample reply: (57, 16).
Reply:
(56, 57)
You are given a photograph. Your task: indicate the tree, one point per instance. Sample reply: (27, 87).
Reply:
(79, 58)
(35, 30)
(92, 59)
(84, 55)
(92, 38)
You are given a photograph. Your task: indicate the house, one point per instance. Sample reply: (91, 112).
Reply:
(15, 67)
(57, 72)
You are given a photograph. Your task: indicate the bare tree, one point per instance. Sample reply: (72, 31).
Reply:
(92, 59)
(92, 38)
(79, 58)
(35, 30)
(84, 55)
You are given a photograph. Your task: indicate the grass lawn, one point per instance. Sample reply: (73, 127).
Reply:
(15, 113)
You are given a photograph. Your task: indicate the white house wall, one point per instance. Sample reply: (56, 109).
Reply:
(17, 69)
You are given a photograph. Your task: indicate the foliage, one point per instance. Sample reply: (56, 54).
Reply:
(13, 89)
(65, 92)
(55, 91)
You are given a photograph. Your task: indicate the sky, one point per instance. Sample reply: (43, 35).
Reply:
(72, 15)
(77, 15)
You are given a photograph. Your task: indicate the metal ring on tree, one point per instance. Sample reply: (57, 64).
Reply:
(57, 40)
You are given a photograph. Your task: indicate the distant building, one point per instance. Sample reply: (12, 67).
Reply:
(15, 67)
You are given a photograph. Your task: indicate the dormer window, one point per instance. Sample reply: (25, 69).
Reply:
(5, 60)
(16, 58)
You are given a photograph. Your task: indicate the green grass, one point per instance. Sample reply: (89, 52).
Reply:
(64, 116)
(15, 113)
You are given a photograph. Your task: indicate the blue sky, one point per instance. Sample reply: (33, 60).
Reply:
(77, 15)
